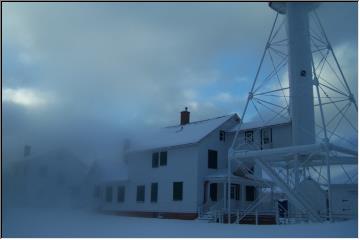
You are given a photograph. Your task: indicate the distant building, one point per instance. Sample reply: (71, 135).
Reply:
(50, 179)
(103, 174)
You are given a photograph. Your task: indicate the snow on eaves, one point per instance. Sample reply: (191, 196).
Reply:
(260, 124)
(177, 135)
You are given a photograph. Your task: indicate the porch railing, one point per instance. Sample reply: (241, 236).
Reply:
(210, 207)
(251, 208)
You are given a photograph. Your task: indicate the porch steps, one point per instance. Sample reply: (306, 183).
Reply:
(208, 216)
(248, 219)
(251, 219)
(262, 219)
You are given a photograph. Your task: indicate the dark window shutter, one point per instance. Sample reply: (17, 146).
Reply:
(177, 191)
(155, 160)
(250, 193)
(121, 194)
(140, 193)
(163, 158)
(154, 192)
(212, 159)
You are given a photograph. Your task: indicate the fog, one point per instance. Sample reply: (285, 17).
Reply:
(80, 78)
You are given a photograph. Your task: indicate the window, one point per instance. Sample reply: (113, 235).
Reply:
(155, 160)
(212, 159)
(250, 193)
(222, 136)
(249, 137)
(266, 135)
(140, 193)
(163, 158)
(109, 194)
(159, 159)
(121, 194)
(154, 192)
(235, 191)
(213, 191)
(177, 191)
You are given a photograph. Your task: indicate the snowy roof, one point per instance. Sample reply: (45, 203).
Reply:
(177, 135)
(57, 158)
(260, 124)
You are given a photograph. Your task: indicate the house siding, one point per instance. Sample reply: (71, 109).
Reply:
(281, 136)
(181, 167)
(212, 142)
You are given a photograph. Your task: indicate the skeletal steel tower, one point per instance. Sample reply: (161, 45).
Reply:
(304, 97)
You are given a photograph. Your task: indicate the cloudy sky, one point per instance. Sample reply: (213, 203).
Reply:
(85, 73)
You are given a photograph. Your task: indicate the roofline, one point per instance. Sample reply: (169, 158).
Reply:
(270, 125)
(35, 157)
(232, 115)
(163, 148)
(186, 144)
(199, 121)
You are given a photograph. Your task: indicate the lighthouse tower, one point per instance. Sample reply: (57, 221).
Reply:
(300, 70)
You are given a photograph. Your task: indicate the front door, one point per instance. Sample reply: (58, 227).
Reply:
(213, 192)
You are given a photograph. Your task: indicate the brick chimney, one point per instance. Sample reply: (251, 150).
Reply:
(185, 117)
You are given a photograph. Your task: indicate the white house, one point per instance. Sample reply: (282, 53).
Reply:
(181, 171)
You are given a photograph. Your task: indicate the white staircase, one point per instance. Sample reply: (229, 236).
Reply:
(300, 201)
(250, 209)
(210, 213)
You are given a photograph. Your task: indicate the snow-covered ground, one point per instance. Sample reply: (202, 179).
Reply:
(25, 222)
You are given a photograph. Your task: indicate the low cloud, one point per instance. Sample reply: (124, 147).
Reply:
(224, 97)
(114, 66)
(26, 97)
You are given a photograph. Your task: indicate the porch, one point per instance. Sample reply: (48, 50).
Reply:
(251, 200)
